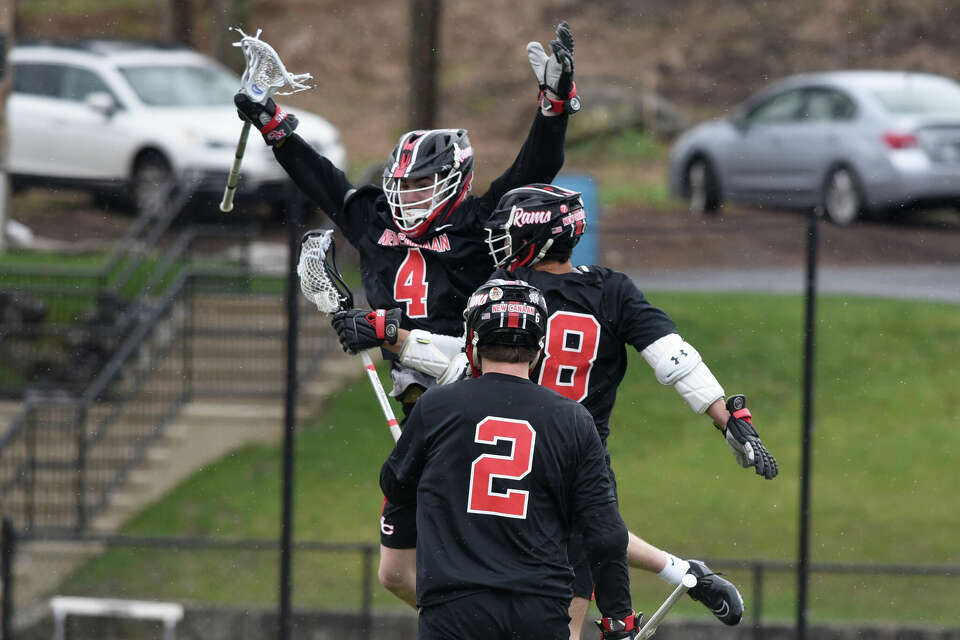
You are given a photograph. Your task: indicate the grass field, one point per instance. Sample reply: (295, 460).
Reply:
(884, 490)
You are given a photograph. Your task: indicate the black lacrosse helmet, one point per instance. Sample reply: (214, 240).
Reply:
(445, 155)
(507, 312)
(531, 220)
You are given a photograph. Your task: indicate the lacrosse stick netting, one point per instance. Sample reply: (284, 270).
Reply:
(321, 284)
(263, 76)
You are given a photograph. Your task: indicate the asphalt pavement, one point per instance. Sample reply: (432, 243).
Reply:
(930, 283)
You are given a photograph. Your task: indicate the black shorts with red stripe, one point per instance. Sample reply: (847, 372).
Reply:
(398, 525)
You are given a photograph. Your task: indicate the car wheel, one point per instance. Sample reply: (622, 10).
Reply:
(703, 196)
(842, 202)
(152, 184)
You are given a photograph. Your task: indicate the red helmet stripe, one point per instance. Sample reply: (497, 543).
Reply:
(407, 153)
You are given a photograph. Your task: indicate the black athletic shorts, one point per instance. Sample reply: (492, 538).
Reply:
(398, 526)
(577, 554)
(496, 615)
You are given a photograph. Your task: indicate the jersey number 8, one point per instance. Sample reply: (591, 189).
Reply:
(482, 498)
(569, 353)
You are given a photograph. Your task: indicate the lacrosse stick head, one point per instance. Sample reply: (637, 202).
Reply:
(265, 73)
(320, 280)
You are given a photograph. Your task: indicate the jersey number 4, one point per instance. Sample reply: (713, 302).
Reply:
(516, 466)
(569, 352)
(410, 285)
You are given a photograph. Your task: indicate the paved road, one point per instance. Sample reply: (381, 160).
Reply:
(928, 283)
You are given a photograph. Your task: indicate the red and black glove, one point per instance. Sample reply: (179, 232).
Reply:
(744, 441)
(554, 73)
(613, 629)
(269, 118)
(362, 329)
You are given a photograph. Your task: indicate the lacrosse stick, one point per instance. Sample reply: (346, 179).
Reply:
(263, 77)
(321, 284)
(689, 582)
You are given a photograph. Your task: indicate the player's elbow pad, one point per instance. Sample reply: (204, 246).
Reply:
(604, 535)
(676, 362)
(431, 353)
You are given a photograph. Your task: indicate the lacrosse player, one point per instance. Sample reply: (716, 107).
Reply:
(419, 236)
(595, 313)
(501, 469)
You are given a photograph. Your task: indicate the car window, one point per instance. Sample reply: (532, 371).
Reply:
(38, 79)
(827, 104)
(780, 108)
(919, 95)
(182, 86)
(79, 83)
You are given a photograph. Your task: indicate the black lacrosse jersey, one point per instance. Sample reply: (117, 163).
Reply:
(429, 277)
(594, 312)
(503, 469)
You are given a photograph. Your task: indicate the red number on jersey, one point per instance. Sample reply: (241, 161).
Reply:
(482, 499)
(571, 348)
(410, 285)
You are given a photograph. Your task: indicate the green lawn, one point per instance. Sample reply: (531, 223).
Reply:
(885, 489)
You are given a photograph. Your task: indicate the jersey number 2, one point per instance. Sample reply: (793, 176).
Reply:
(410, 285)
(571, 348)
(516, 466)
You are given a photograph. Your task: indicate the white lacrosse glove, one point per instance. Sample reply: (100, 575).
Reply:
(558, 93)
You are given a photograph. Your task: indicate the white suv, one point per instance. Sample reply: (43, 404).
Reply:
(121, 117)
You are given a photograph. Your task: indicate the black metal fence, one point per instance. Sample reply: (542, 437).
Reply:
(356, 591)
(212, 333)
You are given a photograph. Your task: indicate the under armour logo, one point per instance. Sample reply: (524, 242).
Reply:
(676, 359)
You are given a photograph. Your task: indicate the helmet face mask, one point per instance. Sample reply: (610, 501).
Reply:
(531, 220)
(504, 312)
(427, 176)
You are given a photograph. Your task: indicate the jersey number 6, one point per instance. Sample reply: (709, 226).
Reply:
(568, 355)
(410, 285)
(516, 466)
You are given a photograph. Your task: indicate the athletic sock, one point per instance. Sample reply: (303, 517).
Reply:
(674, 570)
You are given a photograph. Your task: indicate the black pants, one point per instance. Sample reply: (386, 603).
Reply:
(497, 615)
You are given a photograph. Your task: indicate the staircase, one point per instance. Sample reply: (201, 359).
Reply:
(232, 351)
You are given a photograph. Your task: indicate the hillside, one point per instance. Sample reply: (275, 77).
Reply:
(703, 55)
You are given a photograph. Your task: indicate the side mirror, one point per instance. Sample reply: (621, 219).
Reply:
(101, 102)
(739, 123)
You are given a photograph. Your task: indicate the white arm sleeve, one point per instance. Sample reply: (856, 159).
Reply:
(431, 353)
(675, 362)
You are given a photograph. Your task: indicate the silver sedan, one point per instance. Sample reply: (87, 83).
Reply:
(852, 142)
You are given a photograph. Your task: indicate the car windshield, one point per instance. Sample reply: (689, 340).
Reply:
(917, 96)
(182, 86)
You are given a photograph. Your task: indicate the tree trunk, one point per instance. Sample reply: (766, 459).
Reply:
(177, 20)
(7, 23)
(223, 16)
(424, 62)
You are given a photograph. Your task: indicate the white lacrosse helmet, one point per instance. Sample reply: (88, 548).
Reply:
(446, 156)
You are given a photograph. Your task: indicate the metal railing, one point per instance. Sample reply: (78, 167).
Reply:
(367, 583)
(212, 333)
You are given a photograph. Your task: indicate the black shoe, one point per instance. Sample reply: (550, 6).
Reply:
(716, 593)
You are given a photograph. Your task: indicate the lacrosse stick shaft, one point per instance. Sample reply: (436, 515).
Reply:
(689, 581)
(381, 395)
(227, 203)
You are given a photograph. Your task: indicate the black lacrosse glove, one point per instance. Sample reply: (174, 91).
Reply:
(612, 629)
(362, 329)
(270, 119)
(745, 441)
(558, 93)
